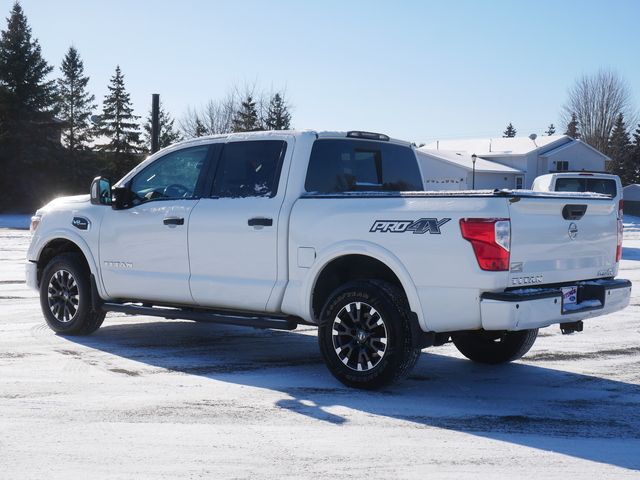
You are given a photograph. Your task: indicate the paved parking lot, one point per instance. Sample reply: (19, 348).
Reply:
(144, 398)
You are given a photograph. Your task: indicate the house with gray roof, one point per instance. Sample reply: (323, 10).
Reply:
(505, 162)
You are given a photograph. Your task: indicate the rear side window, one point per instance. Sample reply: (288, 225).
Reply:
(249, 169)
(597, 185)
(355, 165)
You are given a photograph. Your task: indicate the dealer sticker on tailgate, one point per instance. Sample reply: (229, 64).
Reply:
(569, 297)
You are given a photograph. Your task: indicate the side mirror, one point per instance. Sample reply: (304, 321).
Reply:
(100, 191)
(122, 198)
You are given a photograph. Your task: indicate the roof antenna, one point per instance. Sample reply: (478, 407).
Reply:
(533, 137)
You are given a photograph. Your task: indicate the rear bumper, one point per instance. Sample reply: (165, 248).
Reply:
(524, 309)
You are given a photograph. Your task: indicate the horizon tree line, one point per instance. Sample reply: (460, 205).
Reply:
(36, 110)
(67, 101)
(51, 138)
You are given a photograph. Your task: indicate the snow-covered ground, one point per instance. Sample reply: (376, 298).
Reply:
(144, 398)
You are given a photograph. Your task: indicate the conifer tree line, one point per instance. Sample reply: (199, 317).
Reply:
(54, 133)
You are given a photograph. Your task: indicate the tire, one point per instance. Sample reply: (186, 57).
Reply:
(494, 347)
(65, 296)
(355, 323)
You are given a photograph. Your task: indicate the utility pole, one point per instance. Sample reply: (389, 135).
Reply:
(474, 157)
(155, 122)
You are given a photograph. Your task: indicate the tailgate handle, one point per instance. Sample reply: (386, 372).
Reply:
(173, 221)
(260, 222)
(574, 212)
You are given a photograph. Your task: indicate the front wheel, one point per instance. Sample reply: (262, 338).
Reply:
(65, 296)
(365, 334)
(484, 346)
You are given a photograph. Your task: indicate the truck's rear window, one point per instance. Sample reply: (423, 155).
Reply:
(595, 185)
(347, 165)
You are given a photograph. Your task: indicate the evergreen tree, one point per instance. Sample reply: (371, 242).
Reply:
(27, 125)
(200, 130)
(551, 129)
(636, 137)
(510, 132)
(246, 118)
(75, 103)
(278, 116)
(168, 133)
(572, 127)
(635, 156)
(620, 152)
(118, 123)
(28, 95)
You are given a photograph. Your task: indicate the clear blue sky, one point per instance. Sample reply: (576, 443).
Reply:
(416, 70)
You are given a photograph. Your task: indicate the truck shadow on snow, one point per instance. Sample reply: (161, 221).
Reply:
(572, 414)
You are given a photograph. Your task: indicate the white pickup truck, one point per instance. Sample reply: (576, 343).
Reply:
(276, 229)
(594, 182)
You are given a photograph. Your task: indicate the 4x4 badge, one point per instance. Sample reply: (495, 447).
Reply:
(423, 225)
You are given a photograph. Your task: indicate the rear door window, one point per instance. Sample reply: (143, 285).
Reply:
(338, 165)
(249, 169)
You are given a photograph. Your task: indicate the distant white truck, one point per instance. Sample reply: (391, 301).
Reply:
(276, 229)
(603, 183)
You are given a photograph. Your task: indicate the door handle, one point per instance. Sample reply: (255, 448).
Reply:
(173, 221)
(260, 222)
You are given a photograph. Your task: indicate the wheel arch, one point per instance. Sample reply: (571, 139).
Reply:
(353, 261)
(63, 242)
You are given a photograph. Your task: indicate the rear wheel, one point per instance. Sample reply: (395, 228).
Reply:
(365, 334)
(65, 296)
(494, 347)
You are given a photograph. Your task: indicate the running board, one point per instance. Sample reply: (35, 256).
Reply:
(203, 316)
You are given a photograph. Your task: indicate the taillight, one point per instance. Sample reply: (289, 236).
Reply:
(620, 234)
(491, 241)
(620, 209)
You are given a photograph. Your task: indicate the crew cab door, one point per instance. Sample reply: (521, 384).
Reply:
(233, 234)
(143, 249)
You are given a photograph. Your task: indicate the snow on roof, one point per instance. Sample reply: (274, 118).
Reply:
(497, 146)
(560, 148)
(464, 160)
(631, 192)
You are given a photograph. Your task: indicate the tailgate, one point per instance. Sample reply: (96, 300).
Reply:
(556, 239)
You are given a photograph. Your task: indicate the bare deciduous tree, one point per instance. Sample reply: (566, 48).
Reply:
(217, 116)
(597, 100)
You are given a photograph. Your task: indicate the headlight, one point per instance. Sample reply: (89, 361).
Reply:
(35, 221)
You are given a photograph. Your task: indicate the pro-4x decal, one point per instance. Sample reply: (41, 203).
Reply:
(423, 225)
